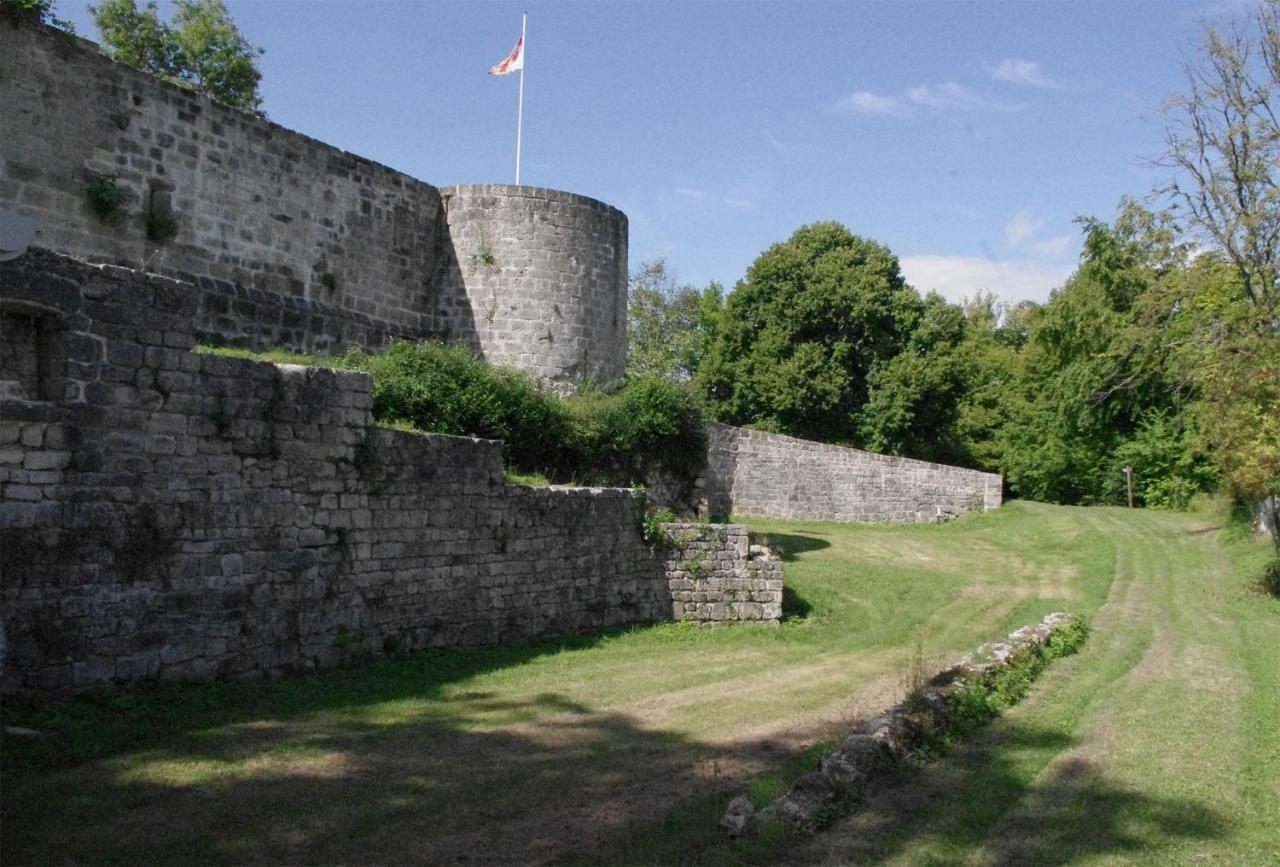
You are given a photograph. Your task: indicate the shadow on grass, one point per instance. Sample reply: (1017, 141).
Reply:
(99, 724)
(417, 783)
(794, 606)
(980, 797)
(788, 546)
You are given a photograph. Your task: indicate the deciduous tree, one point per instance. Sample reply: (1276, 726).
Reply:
(802, 332)
(1223, 136)
(202, 49)
(669, 327)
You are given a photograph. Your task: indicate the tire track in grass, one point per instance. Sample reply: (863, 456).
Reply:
(1143, 782)
(949, 809)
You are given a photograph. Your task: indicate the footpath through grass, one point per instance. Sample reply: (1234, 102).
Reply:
(626, 747)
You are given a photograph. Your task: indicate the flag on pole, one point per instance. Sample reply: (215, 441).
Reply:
(512, 62)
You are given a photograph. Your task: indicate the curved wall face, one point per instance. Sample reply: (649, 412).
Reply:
(354, 252)
(544, 276)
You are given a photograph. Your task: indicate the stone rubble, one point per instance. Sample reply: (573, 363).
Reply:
(874, 749)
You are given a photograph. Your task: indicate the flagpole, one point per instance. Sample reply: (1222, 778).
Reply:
(524, 48)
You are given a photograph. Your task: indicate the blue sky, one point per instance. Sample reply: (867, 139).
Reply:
(964, 136)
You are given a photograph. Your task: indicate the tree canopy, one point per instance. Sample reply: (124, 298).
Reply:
(802, 332)
(669, 327)
(202, 48)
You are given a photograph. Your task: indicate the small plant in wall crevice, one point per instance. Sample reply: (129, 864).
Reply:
(161, 224)
(482, 259)
(104, 195)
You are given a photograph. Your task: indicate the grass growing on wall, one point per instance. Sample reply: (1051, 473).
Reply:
(592, 437)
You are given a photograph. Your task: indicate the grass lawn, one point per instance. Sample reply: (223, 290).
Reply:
(1159, 742)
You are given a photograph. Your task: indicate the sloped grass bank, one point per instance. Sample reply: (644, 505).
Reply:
(627, 747)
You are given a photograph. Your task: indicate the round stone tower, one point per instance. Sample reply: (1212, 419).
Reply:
(544, 277)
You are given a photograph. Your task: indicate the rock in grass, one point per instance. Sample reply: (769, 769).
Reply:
(871, 755)
(844, 771)
(737, 816)
(809, 800)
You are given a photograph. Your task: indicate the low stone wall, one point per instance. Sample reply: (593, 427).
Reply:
(872, 752)
(717, 576)
(771, 475)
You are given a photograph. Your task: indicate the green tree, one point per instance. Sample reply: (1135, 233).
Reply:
(669, 327)
(202, 49)
(801, 334)
(1104, 380)
(989, 356)
(1240, 415)
(18, 12)
(913, 399)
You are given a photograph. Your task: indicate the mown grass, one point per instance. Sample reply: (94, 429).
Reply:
(1159, 743)
(626, 747)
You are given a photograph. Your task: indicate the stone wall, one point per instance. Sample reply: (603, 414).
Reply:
(544, 277)
(168, 515)
(717, 576)
(336, 249)
(254, 204)
(771, 475)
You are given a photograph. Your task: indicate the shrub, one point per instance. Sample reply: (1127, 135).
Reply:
(104, 195)
(1269, 577)
(650, 423)
(161, 224)
(447, 389)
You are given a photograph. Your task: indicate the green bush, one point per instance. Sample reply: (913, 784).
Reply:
(650, 423)
(448, 390)
(103, 192)
(1269, 577)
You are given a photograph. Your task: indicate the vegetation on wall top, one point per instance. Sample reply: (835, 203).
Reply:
(202, 48)
(591, 438)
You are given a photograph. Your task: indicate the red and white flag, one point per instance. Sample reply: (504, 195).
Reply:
(513, 61)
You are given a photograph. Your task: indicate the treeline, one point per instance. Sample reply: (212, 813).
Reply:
(1151, 356)
(1161, 353)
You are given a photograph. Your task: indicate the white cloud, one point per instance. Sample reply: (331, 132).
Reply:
(1022, 72)
(866, 102)
(1023, 227)
(1023, 233)
(736, 203)
(952, 96)
(775, 143)
(960, 277)
(691, 194)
